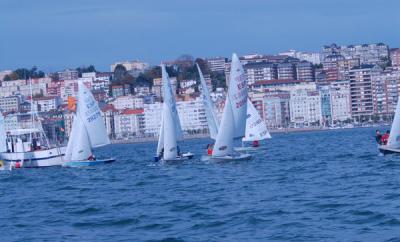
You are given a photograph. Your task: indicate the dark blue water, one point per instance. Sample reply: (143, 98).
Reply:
(316, 186)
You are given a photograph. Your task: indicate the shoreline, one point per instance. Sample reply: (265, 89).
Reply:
(274, 131)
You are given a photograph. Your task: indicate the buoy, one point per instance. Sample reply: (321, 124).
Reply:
(18, 164)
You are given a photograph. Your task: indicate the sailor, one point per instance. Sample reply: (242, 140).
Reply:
(256, 143)
(161, 154)
(385, 137)
(92, 157)
(209, 149)
(178, 150)
(378, 137)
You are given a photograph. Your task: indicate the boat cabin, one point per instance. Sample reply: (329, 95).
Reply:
(25, 140)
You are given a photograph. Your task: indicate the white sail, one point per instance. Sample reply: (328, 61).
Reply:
(91, 115)
(73, 133)
(169, 98)
(81, 148)
(224, 143)
(212, 120)
(169, 133)
(394, 137)
(237, 92)
(256, 129)
(160, 144)
(78, 148)
(3, 141)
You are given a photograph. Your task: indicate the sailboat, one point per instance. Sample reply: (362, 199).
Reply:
(256, 129)
(211, 117)
(88, 132)
(233, 122)
(170, 130)
(29, 147)
(393, 144)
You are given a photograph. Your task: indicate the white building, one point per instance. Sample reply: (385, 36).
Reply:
(313, 57)
(47, 103)
(216, 64)
(305, 108)
(191, 115)
(135, 66)
(340, 103)
(129, 123)
(127, 102)
(10, 103)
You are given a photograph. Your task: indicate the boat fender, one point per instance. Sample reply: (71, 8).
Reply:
(17, 164)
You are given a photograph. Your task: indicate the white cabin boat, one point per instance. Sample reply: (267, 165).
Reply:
(29, 148)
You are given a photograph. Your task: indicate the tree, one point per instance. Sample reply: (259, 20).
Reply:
(84, 69)
(119, 72)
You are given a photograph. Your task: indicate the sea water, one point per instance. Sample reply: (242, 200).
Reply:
(306, 186)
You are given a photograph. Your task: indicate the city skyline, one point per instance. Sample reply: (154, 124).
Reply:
(55, 36)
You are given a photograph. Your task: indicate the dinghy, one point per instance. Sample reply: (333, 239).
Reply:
(233, 123)
(256, 129)
(170, 130)
(88, 132)
(211, 117)
(393, 145)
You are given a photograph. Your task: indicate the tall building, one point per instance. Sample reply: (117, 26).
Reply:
(216, 64)
(276, 109)
(258, 71)
(68, 74)
(305, 71)
(361, 92)
(344, 66)
(340, 101)
(305, 108)
(395, 56)
(330, 66)
(385, 91)
(326, 111)
(286, 71)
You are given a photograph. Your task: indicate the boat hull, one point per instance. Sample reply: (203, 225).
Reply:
(86, 163)
(37, 158)
(183, 157)
(241, 157)
(387, 150)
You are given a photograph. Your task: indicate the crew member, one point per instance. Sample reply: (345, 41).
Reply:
(378, 137)
(385, 137)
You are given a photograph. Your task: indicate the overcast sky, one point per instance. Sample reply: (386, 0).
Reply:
(57, 34)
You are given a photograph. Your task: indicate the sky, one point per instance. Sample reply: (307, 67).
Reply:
(54, 35)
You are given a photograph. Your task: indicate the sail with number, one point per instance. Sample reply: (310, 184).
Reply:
(256, 129)
(212, 120)
(233, 123)
(394, 137)
(91, 115)
(237, 92)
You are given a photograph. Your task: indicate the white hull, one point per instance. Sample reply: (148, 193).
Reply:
(387, 150)
(37, 158)
(240, 157)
